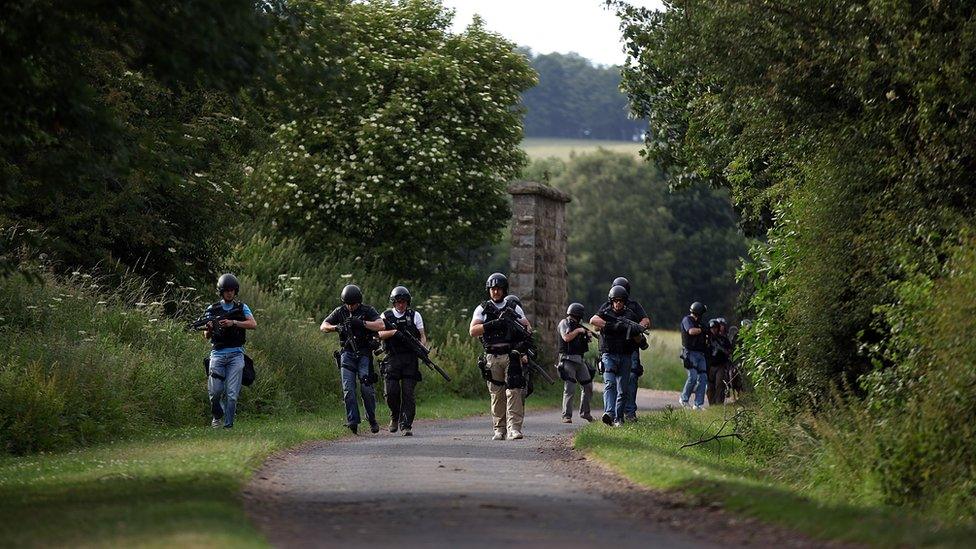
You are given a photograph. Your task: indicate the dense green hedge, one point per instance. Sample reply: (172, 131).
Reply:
(846, 133)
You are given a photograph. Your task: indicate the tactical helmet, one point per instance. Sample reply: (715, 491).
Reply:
(713, 323)
(575, 309)
(513, 300)
(497, 280)
(351, 295)
(227, 281)
(400, 292)
(621, 281)
(721, 320)
(698, 308)
(618, 292)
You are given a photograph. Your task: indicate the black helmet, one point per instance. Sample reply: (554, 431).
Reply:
(227, 281)
(575, 309)
(698, 308)
(619, 292)
(497, 280)
(351, 294)
(621, 281)
(513, 300)
(400, 292)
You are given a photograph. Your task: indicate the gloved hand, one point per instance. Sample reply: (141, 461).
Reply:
(357, 323)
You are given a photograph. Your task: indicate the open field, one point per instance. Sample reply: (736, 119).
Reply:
(539, 147)
(662, 367)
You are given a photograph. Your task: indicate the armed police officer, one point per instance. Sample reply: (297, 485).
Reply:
(693, 348)
(620, 333)
(574, 342)
(401, 370)
(503, 368)
(637, 366)
(356, 323)
(227, 337)
(719, 359)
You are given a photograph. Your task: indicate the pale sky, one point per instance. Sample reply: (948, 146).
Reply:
(586, 27)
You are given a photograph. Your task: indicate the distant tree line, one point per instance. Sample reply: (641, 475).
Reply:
(577, 99)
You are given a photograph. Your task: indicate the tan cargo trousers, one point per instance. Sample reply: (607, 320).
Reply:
(507, 405)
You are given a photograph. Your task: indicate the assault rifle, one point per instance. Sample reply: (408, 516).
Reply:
(210, 315)
(588, 333)
(350, 337)
(423, 353)
(633, 328)
(525, 345)
(539, 369)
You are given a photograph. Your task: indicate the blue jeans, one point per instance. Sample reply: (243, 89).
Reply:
(360, 365)
(230, 367)
(697, 378)
(616, 379)
(630, 405)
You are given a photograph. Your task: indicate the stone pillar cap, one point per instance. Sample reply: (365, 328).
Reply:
(534, 187)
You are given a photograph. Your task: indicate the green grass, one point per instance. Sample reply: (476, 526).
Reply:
(721, 471)
(177, 487)
(537, 147)
(662, 367)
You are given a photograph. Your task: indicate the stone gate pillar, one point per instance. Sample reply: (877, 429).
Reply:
(537, 266)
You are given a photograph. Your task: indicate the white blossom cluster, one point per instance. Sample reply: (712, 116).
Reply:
(407, 148)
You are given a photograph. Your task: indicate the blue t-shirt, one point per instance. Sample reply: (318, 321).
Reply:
(229, 350)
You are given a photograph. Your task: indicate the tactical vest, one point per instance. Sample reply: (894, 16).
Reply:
(407, 323)
(693, 342)
(496, 342)
(578, 346)
(614, 340)
(231, 336)
(361, 335)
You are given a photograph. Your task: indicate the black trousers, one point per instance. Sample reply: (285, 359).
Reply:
(401, 400)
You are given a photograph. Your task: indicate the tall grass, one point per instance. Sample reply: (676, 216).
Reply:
(82, 362)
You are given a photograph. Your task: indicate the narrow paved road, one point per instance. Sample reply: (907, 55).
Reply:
(451, 486)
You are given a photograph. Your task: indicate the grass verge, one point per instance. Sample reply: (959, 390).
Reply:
(722, 471)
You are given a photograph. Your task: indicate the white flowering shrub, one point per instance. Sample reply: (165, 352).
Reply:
(401, 149)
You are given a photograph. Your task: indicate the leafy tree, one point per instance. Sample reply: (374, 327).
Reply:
(115, 117)
(846, 133)
(404, 158)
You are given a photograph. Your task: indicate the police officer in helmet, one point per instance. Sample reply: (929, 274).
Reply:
(617, 347)
(694, 345)
(503, 367)
(355, 322)
(401, 370)
(637, 367)
(227, 337)
(574, 342)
